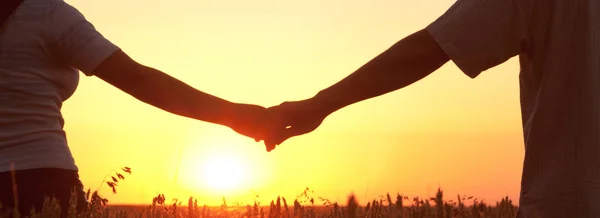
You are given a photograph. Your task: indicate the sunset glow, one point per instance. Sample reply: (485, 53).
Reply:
(448, 130)
(223, 172)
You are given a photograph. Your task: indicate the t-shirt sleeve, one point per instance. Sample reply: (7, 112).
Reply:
(75, 41)
(480, 34)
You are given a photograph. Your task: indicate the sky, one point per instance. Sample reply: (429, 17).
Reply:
(448, 130)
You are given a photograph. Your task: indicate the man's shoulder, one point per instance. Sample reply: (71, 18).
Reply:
(31, 10)
(37, 7)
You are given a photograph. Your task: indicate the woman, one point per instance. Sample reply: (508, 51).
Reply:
(43, 46)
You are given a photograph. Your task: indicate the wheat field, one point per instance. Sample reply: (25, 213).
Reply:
(304, 206)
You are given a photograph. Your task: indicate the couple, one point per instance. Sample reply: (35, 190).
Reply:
(45, 43)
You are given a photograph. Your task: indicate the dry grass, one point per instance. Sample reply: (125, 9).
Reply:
(304, 206)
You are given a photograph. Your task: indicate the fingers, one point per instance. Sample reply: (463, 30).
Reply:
(261, 125)
(277, 120)
(287, 133)
(286, 122)
(280, 135)
(270, 130)
(269, 146)
(272, 135)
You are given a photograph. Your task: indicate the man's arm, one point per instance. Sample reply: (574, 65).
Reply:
(476, 35)
(165, 92)
(406, 62)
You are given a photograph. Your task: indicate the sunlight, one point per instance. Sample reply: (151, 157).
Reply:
(219, 163)
(223, 172)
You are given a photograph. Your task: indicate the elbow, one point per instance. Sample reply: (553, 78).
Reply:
(121, 71)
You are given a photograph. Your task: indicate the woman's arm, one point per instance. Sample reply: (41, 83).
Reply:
(165, 92)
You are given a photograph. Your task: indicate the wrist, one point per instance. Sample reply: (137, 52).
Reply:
(227, 114)
(325, 103)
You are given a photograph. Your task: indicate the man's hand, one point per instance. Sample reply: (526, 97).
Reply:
(291, 119)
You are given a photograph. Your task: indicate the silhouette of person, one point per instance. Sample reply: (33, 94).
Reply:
(558, 43)
(43, 46)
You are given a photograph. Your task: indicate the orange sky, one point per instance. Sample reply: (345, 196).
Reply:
(448, 130)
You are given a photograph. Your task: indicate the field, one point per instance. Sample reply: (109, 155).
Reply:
(305, 205)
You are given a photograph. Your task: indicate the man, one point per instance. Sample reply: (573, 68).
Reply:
(558, 43)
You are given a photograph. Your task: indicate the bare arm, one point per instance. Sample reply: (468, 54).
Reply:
(165, 92)
(406, 62)
(476, 34)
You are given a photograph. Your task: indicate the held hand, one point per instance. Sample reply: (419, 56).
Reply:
(249, 120)
(291, 119)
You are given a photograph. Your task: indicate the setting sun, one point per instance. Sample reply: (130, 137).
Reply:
(223, 172)
(216, 164)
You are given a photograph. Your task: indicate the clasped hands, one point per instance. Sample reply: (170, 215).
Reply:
(276, 124)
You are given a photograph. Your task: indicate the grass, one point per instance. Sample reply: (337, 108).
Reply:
(304, 206)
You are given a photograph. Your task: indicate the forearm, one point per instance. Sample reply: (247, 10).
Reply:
(406, 62)
(163, 91)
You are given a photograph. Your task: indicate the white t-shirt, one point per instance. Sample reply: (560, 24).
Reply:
(558, 42)
(43, 45)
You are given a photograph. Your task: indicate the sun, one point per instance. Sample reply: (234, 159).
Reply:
(219, 164)
(223, 172)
